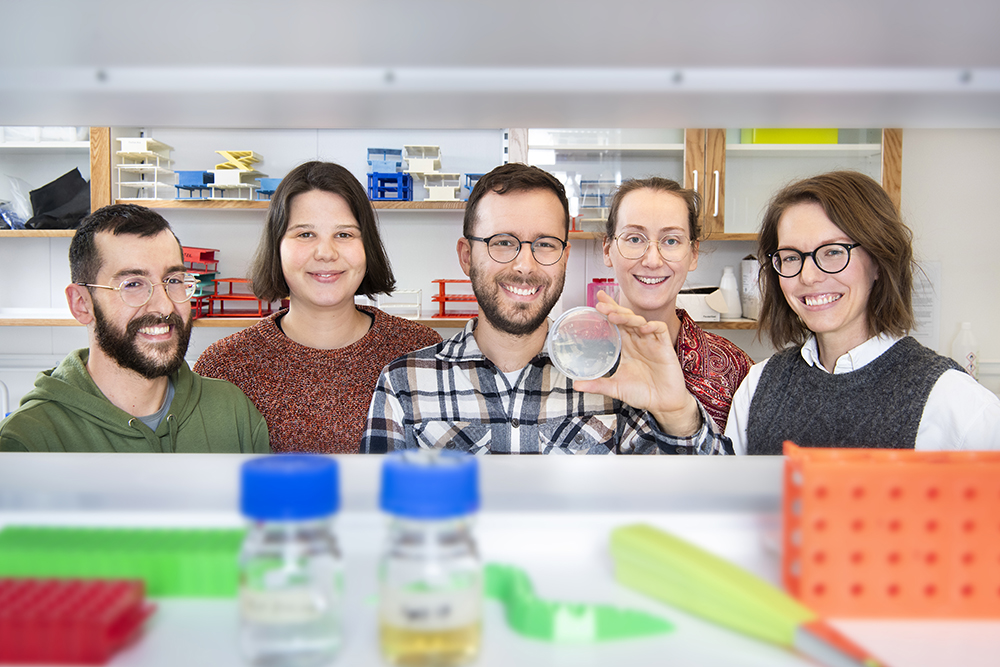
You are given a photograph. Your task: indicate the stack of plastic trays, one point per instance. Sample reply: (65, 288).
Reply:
(877, 533)
(172, 562)
(70, 621)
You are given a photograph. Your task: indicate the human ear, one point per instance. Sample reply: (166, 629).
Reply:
(464, 249)
(80, 304)
(607, 253)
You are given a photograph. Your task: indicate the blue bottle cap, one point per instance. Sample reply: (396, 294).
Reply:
(289, 487)
(430, 484)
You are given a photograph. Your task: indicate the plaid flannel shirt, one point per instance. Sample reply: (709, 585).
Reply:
(451, 396)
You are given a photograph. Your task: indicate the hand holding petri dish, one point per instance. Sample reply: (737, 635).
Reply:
(583, 344)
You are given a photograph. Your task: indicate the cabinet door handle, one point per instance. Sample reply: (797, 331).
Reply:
(716, 214)
(695, 172)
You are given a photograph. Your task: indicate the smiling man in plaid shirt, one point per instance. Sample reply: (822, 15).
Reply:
(493, 389)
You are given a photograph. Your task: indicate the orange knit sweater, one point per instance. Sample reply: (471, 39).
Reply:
(313, 400)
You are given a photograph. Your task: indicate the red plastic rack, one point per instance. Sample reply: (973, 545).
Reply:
(231, 295)
(443, 298)
(69, 620)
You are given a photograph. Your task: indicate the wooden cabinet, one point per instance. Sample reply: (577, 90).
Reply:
(716, 166)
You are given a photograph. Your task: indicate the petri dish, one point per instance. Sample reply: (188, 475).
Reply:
(583, 344)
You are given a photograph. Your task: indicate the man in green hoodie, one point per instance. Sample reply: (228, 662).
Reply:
(131, 390)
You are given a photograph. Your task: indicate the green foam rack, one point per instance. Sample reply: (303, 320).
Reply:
(174, 562)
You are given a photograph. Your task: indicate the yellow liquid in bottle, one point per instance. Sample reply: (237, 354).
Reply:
(427, 648)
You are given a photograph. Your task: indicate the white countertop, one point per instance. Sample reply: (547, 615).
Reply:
(550, 516)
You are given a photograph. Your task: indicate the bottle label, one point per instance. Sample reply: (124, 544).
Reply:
(275, 591)
(430, 610)
(282, 607)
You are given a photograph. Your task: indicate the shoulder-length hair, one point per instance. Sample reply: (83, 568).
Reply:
(861, 209)
(658, 184)
(266, 274)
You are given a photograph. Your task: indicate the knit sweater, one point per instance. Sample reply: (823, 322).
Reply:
(878, 405)
(313, 400)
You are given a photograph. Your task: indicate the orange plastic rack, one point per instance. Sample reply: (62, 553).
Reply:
(878, 533)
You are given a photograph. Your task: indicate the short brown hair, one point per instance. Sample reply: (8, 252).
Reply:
(658, 184)
(513, 177)
(266, 274)
(84, 261)
(860, 208)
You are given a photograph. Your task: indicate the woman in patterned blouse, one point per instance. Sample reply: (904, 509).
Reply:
(651, 241)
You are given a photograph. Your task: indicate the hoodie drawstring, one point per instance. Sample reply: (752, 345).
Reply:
(153, 441)
(172, 424)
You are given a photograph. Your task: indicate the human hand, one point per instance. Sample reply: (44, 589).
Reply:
(649, 375)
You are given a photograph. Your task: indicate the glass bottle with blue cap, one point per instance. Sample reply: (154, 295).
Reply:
(430, 595)
(290, 566)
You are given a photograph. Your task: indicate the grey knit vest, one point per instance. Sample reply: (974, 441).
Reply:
(878, 405)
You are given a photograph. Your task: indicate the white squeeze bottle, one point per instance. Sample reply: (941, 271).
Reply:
(731, 292)
(965, 350)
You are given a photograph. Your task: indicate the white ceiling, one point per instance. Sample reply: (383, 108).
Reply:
(463, 63)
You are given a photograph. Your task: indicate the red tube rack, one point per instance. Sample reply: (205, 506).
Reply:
(72, 621)
(443, 297)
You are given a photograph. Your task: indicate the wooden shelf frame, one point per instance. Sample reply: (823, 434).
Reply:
(253, 204)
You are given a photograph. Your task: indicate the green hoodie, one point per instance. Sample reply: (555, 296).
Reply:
(66, 412)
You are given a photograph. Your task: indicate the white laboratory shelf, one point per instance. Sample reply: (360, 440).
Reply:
(549, 515)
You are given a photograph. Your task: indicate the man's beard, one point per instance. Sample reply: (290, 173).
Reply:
(489, 298)
(124, 349)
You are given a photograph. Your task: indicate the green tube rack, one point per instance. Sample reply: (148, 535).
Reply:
(174, 562)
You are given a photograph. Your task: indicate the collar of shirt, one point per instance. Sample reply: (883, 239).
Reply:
(853, 359)
(463, 346)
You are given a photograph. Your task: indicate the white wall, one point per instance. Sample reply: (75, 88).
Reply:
(949, 200)
(947, 176)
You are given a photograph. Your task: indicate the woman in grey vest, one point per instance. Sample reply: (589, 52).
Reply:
(836, 278)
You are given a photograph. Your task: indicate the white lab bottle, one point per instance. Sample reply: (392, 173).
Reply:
(731, 293)
(430, 577)
(965, 350)
(290, 566)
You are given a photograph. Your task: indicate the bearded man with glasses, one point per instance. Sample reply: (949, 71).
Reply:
(131, 390)
(492, 388)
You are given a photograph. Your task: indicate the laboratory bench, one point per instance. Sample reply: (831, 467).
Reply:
(550, 516)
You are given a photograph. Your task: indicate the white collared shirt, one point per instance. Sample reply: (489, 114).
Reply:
(959, 414)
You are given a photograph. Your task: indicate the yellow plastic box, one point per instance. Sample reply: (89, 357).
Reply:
(789, 136)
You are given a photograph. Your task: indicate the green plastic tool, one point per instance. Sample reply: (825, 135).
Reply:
(562, 621)
(172, 561)
(684, 575)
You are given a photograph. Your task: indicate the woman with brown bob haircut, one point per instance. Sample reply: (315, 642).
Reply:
(836, 278)
(311, 368)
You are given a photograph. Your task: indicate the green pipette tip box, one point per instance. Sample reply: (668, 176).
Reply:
(174, 562)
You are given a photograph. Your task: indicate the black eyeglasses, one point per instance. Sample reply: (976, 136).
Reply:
(503, 248)
(829, 258)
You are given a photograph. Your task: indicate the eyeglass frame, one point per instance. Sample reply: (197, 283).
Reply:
(802, 255)
(648, 241)
(520, 243)
(189, 279)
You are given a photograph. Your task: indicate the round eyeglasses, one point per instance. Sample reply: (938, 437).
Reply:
(633, 245)
(136, 291)
(503, 248)
(829, 258)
